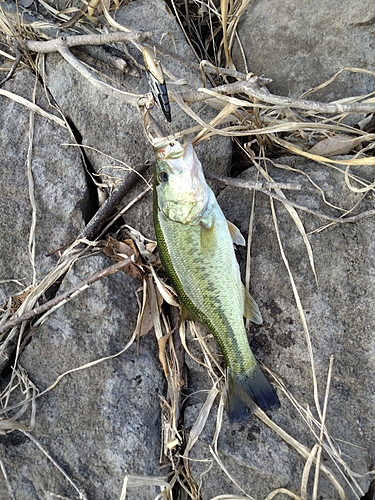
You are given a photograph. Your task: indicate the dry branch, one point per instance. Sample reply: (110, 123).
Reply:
(76, 289)
(101, 216)
(257, 185)
(253, 86)
(54, 45)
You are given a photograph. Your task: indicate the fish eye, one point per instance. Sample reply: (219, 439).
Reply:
(163, 176)
(171, 144)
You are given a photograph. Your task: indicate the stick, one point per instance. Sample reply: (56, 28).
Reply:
(266, 186)
(76, 289)
(258, 185)
(101, 216)
(73, 41)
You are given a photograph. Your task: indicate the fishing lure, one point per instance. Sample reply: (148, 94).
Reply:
(156, 81)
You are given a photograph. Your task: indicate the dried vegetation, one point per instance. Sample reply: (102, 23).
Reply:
(260, 123)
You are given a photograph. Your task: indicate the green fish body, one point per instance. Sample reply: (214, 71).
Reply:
(196, 249)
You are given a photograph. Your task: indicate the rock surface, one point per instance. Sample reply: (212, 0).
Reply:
(98, 423)
(302, 45)
(103, 422)
(59, 182)
(338, 311)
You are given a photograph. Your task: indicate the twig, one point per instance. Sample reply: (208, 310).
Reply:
(74, 19)
(81, 494)
(258, 185)
(252, 87)
(15, 64)
(73, 41)
(132, 99)
(265, 187)
(109, 205)
(76, 289)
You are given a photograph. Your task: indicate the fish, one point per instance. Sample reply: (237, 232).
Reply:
(196, 248)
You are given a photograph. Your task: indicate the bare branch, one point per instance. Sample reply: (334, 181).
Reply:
(257, 185)
(132, 99)
(73, 41)
(254, 89)
(76, 289)
(265, 188)
(110, 203)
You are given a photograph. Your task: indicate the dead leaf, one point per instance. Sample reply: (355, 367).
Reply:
(162, 344)
(119, 250)
(337, 144)
(163, 290)
(151, 246)
(147, 321)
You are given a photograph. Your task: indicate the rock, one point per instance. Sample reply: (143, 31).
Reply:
(339, 316)
(302, 45)
(60, 189)
(99, 423)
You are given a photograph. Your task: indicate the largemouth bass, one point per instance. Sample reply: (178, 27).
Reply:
(196, 249)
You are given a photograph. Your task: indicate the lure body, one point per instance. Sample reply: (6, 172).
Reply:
(156, 81)
(196, 248)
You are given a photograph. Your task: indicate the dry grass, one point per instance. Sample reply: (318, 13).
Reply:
(267, 122)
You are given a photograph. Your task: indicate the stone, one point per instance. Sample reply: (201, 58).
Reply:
(60, 188)
(338, 310)
(99, 423)
(300, 46)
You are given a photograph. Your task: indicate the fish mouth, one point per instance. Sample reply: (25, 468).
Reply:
(168, 148)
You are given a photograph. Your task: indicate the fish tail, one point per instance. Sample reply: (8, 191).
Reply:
(245, 389)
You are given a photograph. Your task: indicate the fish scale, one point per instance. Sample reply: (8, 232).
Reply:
(208, 304)
(197, 252)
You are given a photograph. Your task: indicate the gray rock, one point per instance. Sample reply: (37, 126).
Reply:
(60, 188)
(99, 423)
(301, 45)
(340, 321)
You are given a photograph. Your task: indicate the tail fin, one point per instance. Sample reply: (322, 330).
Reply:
(245, 389)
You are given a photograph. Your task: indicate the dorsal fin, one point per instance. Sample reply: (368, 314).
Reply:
(251, 310)
(235, 234)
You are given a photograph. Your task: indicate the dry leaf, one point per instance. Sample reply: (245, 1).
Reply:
(162, 344)
(147, 321)
(337, 144)
(119, 250)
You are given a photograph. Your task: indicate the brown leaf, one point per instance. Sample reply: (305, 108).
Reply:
(119, 250)
(337, 144)
(162, 344)
(147, 318)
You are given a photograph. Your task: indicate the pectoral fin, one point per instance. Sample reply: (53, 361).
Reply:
(208, 238)
(235, 234)
(251, 310)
